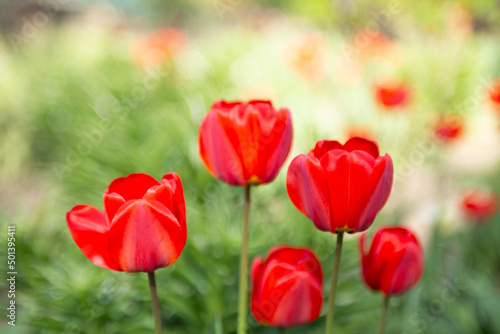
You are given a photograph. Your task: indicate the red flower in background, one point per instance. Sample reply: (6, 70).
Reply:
(142, 228)
(341, 188)
(360, 131)
(307, 56)
(245, 143)
(448, 128)
(392, 94)
(495, 93)
(480, 205)
(287, 288)
(159, 46)
(395, 261)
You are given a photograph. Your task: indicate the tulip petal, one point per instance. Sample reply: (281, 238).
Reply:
(173, 181)
(218, 150)
(112, 202)
(378, 190)
(298, 290)
(324, 146)
(89, 229)
(347, 175)
(133, 186)
(145, 236)
(362, 144)
(307, 188)
(406, 272)
(275, 146)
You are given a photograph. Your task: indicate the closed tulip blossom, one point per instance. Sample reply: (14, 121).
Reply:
(245, 144)
(341, 188)
(392, 94)
(142, 227)
(393, 264)
(480, 205)
(287, 287)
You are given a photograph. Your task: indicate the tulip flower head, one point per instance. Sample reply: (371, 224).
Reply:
(159, 46)
(495, 93)
(142, 228)
(307, 56)
(480, 205)
(448, 128)
(245, 143)
(392, 94)
(341, 188)
(394, 262)
(287, 287)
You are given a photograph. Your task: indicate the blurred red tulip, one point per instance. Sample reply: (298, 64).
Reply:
(480, 205)
(341, 188)
(392, 94)
(245, 143)
(395, 262)
(307, 56)
(495, 93)
(287, 288)
(360, 131)
(448, 128)
(142, 228)
(159, 46)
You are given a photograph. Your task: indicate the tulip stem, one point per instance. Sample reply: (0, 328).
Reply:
(384, 315)
(243, 292)
(155, 305)
(281, 330)
(333, 286)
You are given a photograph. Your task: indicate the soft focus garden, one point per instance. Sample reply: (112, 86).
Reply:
(234, 166)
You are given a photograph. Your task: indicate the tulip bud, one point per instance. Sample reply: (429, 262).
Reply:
(394, 262)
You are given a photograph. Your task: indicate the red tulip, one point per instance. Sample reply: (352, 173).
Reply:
(341, 188)
(392, 94)
(395, 262)
(142, 228)
(448, 128)
(480, 205)
(245, 143)
(287, 287)
(495, 93)
(307, 55)
(159, 46)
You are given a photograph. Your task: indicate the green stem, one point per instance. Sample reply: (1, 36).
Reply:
(384, 315)
(333, 286)
(155, 305)
(243, 292)
(281, 330)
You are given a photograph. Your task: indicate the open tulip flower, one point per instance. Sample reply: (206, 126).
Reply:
(287, 287)
(142, 228)
(393, 264)
(480, 205)
(341, 188)
(245, 143)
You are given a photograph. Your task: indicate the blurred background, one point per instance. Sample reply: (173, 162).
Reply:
(90, 91)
